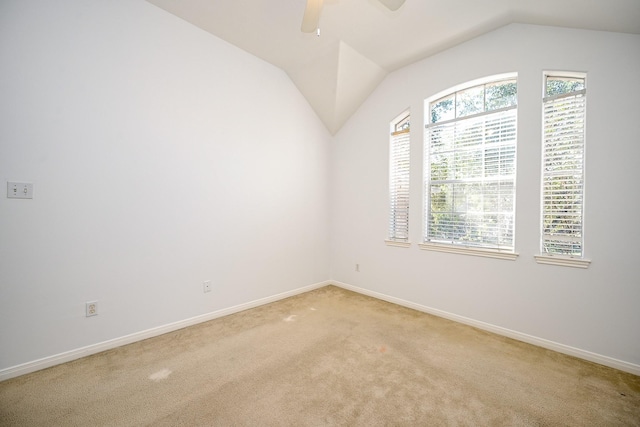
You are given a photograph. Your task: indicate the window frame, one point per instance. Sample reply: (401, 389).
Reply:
(460, 247)
(546, 257)
(399, 176)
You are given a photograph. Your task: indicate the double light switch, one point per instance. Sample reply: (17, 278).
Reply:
(19, 190)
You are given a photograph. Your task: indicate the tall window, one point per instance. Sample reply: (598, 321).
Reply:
(563, 165)
(470, 161)
(399, 179)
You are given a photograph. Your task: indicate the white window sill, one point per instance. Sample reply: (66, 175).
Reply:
(489, 253)
(397, 244)
(562, 261)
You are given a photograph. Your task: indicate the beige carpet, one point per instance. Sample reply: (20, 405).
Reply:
(327, 357)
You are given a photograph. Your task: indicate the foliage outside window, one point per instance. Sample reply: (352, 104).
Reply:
(563, 166)
(399, 164)
(470, 167)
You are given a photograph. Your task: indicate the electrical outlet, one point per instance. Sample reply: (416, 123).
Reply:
(91, 308)
(358, 267)
(206, 285)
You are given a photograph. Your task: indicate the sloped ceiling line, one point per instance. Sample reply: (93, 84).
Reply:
(362, 41)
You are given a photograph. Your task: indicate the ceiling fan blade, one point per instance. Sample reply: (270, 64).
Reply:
(392, 4)
(311, 16)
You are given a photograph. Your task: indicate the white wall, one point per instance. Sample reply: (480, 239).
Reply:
(161, 156)
(594, 310)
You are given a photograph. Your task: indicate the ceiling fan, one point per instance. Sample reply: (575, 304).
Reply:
(312, 13)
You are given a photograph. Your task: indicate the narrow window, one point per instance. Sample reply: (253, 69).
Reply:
(399, 164)
(563, 165)
(470, 168)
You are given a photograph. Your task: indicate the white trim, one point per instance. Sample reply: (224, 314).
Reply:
(397, 244)
(621, 365)
(465, 250)
(68, 356)
(78, 353)
(562, 261)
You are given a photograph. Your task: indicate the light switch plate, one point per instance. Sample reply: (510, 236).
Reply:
(19, 190)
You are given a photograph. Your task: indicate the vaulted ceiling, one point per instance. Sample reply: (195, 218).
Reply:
(361, 41)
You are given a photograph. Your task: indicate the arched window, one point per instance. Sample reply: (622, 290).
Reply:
(470, 168)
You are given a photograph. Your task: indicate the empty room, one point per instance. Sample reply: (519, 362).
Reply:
(307, 212)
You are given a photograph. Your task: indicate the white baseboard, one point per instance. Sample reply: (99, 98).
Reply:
(78, 353)
(621, 365)
(68, 356)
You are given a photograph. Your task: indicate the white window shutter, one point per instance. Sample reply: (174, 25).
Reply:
(563, 174)
(399, 166)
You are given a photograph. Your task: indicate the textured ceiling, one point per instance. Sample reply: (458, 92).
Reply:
(361, 41)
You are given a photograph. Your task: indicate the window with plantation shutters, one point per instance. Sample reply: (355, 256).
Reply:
(399, 164)
(470, 170)
(563, 166)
